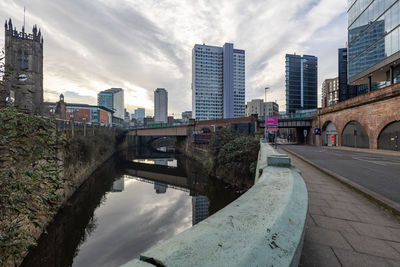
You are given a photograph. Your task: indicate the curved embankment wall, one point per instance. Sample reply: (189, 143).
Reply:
(264, 227)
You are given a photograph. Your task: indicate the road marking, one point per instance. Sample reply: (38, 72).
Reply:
(376, 161)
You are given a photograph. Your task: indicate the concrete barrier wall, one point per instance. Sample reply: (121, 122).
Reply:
(264, 227)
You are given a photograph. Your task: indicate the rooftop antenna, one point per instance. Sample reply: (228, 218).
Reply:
(24, 17)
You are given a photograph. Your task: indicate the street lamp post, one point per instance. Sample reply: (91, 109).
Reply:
(265, 97)
(265, 113)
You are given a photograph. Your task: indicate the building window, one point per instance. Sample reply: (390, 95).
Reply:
(26, 62)
(19, 60)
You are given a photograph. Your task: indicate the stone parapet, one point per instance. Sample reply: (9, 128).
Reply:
(264, 227)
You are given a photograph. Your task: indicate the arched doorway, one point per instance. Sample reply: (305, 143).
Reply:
(389, 138)
(354, 135)
(329, 134)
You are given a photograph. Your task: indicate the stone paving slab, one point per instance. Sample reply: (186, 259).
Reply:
(333, 223)
(372, 246)
(322, 256)
(351, 259)
(395, 245)
(343, 227)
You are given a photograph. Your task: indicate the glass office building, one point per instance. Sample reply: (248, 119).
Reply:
(301, 82)
(139, 114)
(373, 42)
(346, 91)
(218, 82)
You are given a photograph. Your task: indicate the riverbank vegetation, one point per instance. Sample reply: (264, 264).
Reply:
(233, 157)
(39, 169)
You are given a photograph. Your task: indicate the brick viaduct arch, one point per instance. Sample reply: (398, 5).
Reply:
(373, 111)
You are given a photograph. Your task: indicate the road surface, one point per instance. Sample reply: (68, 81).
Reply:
(377, 172)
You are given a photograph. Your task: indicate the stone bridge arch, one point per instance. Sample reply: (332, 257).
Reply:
(324, 120)
(389, 136)
(373, 110)
(354, 134)
(328, 129)
(162, 141)
(340, 123)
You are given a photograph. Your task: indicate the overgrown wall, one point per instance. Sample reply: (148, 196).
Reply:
(40, 168)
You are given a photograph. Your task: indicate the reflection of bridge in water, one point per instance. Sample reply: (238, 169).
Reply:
(154, 182)
(173, 176)
(144, 152)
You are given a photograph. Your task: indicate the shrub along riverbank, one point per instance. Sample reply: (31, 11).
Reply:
(39, 170)
(233, 157)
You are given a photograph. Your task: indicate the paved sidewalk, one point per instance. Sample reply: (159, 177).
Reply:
(343, 227)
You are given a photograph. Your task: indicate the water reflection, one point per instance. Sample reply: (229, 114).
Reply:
(160, 188)
(129, 223)
(118, 185)
(124, 208)
(171, 162)
(200, 209)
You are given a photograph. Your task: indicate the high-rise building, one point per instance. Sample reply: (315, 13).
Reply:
(373, 43)
(139, 114)
(218, 82)
(23, 68)
(301, 82)
(330, 92)
(346, 91)
(113, 99)
(127, 117)
(160, 105)
(262, 109)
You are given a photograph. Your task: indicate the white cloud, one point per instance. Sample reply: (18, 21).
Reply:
(140, 45)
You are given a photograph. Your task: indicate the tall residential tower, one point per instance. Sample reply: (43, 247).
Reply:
(160, 105)
(218, 82)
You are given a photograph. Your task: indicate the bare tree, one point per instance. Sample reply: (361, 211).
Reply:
(3, 91)
(8, 81)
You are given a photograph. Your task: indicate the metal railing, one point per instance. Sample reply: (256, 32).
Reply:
(65, 124)
(162, 125)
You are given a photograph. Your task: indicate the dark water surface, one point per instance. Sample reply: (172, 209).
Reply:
(127, 206)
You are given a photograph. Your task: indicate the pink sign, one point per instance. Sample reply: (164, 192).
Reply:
(273, 121)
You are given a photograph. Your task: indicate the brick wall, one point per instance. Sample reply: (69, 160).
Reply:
(373, 111)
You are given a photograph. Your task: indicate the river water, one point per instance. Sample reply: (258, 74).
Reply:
(127, 206)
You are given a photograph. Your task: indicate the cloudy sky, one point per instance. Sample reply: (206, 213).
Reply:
(139, 45)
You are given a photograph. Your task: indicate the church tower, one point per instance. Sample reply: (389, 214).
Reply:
(24, 67)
